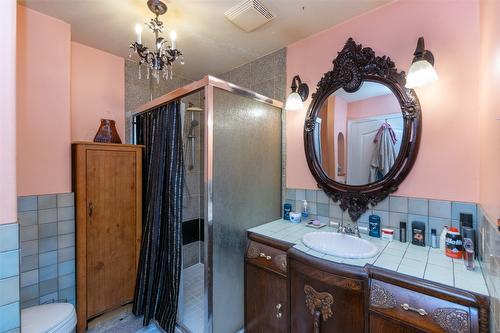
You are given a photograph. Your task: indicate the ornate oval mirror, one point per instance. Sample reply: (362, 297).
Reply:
(362, 129)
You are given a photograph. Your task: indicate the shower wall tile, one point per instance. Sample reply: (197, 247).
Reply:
(47, 236)
(266, 75)
(140, 91)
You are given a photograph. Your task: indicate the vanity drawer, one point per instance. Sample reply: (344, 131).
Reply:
(267, 257)
(421, 311)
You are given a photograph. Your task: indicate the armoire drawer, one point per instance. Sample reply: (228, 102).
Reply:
(267, 257)
(426, 312)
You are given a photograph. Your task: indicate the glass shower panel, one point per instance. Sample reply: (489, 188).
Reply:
(246, 192)
(191, 313)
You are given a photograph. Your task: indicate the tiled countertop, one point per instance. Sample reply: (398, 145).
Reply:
(422, 262)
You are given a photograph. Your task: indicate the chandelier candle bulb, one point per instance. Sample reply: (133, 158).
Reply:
(173, 37)
(138, 32)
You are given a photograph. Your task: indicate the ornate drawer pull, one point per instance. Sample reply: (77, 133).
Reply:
(279, 314)
(263, 255)
(406, 307)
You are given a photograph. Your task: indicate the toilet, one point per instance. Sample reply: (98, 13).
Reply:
(49, 318)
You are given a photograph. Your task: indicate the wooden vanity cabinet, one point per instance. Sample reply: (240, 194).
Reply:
(266, 287)
(326, 298)
(401, 303)
(319, 296)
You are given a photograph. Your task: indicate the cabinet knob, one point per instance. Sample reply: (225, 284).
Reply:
(263, 255)
(279, 314)
(407, 307)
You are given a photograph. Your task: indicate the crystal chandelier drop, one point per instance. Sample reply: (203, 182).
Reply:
(160, 61)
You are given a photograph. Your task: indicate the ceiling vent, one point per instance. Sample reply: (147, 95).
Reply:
(249, 15)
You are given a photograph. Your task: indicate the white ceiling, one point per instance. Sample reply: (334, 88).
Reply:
(210, 43)
(367, 90)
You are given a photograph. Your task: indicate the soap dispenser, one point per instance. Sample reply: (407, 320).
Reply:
(305, 212)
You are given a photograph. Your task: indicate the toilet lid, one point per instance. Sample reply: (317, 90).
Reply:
(48, 318)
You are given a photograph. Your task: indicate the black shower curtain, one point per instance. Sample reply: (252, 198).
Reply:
(157, 285)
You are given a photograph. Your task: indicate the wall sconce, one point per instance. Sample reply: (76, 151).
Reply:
(422, 70)
(299, 94)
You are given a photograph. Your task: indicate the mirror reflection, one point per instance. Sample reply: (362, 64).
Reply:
(357, 136)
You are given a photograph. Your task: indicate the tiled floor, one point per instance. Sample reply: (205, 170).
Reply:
(191, 313)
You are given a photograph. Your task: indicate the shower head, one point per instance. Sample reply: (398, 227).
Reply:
(192, 108)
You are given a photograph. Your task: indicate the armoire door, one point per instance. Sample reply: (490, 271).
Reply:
(111, 229)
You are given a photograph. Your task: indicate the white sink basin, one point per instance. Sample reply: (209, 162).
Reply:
(339, 245)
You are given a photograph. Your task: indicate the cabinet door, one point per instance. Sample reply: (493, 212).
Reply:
(379, 324)
(322, 302)
(111, 229)
(266, 309)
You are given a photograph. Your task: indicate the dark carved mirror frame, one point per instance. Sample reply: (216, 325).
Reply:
(354, 65)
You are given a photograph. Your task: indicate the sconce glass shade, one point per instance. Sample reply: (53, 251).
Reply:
(294, 102)
(420, 73)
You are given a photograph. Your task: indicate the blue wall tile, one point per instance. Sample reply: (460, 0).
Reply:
(396, 218)
(382, 205)
(10, 317)
(300, 194)
(384, 217)
(398, 204)
(47, 272)
(47, 201)
(322, 209)
(9, 264)
(290, 194)
(311, 195)
(27, 218)
(9, 237)
(9, 290)
(418, 206)
(440, 208)
(47, 258)
(67, 267)
(321, 197)
(26, 203)
(463, 207)
(29, 278)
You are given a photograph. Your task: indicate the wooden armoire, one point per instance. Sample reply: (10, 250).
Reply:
(108, 196)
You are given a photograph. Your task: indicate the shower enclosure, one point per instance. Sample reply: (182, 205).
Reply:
(233, 157)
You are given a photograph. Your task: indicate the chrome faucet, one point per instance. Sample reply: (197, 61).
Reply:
(346, 229)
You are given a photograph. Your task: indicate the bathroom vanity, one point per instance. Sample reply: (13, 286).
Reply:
(290, 288)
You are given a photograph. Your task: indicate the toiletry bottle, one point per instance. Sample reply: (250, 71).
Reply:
(434, 239)
(374, 225)
(454, 245)
(418, 233)
(468, 234)
(466, 221)
(442, 239)
(305, 212)
(287, 208)
(402, 232)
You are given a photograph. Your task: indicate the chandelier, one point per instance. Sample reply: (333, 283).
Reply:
(159, 62)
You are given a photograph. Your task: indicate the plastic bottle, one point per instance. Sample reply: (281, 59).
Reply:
(305, 212)
(442, 239)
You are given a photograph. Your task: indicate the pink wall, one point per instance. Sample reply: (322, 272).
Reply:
(489, 110)
(448, 163)
(8, 201)
(374, 106)
(97, 91)
(43, 104)
(64, 89)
